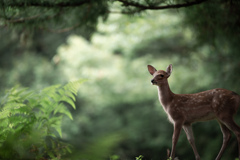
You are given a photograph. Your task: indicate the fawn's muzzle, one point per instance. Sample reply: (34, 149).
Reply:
(153, 81)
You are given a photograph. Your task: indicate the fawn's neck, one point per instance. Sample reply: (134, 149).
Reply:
(165, 94)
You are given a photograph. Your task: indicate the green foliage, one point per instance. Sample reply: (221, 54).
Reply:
(31, 121)
(54, 16)
(100, 148)
(139, 157)
(221, 51)
(123, 96)
(203, 50)
(114, 157)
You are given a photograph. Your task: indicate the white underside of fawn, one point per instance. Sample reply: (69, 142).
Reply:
(185, 109)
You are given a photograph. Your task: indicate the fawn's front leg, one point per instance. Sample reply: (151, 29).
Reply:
(190, 137)
(176, 133)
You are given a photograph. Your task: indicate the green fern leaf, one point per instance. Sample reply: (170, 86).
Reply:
(27, 118)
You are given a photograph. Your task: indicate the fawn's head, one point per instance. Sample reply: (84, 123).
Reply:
(159, 76)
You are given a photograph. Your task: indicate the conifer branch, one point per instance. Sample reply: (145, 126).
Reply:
(154, 7)
(125, 2)
(63, 29)
(48, 4)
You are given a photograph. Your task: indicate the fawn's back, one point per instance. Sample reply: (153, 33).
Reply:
(205, 105)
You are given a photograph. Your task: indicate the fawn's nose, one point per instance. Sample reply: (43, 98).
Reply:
(152, 81)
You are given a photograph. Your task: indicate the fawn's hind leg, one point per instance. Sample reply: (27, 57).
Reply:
(226, 137)
(229, 122)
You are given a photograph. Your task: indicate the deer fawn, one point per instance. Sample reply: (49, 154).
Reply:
(185, 109)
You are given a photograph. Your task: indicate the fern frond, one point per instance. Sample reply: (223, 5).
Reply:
(63, 110)
(28, 117)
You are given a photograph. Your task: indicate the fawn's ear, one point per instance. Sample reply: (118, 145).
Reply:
(151, 69)
(169, 69)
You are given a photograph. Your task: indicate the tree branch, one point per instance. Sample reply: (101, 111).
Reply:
(77, 4)
(47, 4)
(21, 20)
(62, 30)
(144, 7)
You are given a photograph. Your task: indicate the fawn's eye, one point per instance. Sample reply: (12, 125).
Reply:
(161, 75)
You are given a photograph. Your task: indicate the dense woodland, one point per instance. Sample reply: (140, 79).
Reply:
(75, 85)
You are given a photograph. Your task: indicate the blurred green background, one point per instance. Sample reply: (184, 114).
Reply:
(118, 115)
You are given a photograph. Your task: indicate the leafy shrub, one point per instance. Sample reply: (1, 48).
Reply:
(30, 121)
